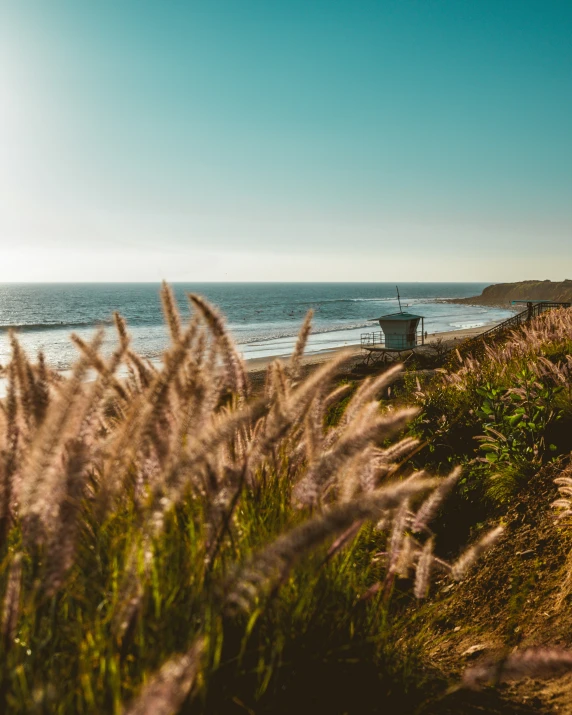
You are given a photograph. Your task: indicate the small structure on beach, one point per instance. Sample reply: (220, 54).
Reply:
(399, 333)
(400, 330)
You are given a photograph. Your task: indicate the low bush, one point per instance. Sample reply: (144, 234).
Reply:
(502, 409)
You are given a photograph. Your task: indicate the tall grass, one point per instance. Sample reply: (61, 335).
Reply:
(170, 541)
(506, 411)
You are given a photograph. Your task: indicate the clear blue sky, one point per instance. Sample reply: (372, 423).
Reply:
(285, 139)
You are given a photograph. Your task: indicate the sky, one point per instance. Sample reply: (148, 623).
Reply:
(292, 140)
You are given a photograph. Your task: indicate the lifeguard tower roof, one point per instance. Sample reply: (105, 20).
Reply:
(399, 316)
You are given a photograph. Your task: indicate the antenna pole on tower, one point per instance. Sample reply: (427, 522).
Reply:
(399, 299)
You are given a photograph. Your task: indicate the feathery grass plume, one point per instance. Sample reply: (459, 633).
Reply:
(423, 571)
(270, 380)
(224, 426)
(204, 390)
(10, 457)
(11, 607)
(232, 360)
(565, 586)
(76, 456)
(407, 555)
(167, 690)
(147, 413)
(41, 395)
(395, 451)
(23, 377)
(303, 335)
(369, 390)
(313, 431)
(337, 394)
(428, 510)
(206, 442)
(400, 523)
(357, 475)
(460, 568)
(145, 372)
(292, 409)
(273, 563)
(539, 663)
(385, 462)
(41, 472)
(121, 328)
(60, 553)
(171, 312)
(351, 442)
(105, 369)
(364, 416)
(318, 381)
(564, 503)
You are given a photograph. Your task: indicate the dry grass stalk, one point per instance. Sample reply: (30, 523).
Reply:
(169, 687)
(303, 335)
(564, 505)
(273, 563)
(423, 571)
(11, 606)
(41, 477)
(538, 663)
(428, 510)
(236, 371)
(171, 312)
(469, 557)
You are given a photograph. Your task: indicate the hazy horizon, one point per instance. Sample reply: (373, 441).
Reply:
(199, 282)
(293, 142)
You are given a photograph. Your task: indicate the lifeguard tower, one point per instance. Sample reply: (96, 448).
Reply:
(399, 333)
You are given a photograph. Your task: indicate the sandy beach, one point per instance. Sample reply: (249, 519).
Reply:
(256, 367)
(260, 364)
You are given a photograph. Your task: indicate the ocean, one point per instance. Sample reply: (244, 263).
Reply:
(264, 318)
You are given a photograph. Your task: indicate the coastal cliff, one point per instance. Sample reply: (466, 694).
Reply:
(504, 293)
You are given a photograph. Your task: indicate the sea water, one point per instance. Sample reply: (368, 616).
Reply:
(264, 318)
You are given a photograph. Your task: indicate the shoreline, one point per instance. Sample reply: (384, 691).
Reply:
(258, 365)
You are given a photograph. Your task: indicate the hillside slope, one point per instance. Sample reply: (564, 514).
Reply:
(504, 293)
(518, 598)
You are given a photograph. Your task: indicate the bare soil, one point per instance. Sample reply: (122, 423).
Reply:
(518, 597)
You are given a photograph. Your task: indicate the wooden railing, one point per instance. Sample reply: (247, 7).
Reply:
(377, 340)
(515, 321)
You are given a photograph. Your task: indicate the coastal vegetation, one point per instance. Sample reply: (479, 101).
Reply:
(173, 541)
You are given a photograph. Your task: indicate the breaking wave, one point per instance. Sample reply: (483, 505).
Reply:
(25, 327)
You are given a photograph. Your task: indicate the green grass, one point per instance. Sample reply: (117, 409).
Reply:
(138, 508)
